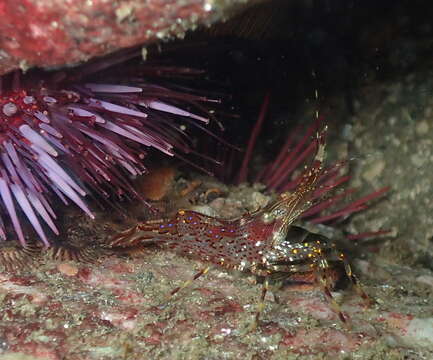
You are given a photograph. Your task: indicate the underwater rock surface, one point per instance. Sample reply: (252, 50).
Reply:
(58, 33)
(119, 303)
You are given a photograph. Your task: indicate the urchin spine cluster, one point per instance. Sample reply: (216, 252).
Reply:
(78, 137)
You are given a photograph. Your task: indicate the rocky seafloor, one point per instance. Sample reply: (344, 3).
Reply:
(117, 308)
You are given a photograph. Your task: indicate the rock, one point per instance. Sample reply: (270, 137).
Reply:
(57, 33)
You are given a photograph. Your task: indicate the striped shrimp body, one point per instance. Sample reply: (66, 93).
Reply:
(264, 243)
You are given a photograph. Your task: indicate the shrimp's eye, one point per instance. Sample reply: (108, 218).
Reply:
(268, 218)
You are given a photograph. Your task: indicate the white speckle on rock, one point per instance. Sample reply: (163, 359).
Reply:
(374, 170)
(396, 141)
(418, 160)
(347, 132)
(422, 128)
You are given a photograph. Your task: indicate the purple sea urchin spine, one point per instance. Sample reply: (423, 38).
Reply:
(82, 135)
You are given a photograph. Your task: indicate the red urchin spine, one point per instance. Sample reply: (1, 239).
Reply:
(279, 176)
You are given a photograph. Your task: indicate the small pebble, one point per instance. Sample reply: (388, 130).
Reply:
(417, 159)
(422, 128)
(425, 279)
(67, 269)
(259, 200)
(374, 170)
(419, 332)
(205, 210)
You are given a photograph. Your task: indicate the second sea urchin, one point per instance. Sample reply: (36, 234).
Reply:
(67, 135)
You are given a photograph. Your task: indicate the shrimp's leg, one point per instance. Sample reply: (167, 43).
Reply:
(260, 306)
(323, 279)
(354, 280)
(188, 282)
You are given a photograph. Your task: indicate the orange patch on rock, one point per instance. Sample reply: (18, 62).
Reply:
(67, 269)
(155, 185)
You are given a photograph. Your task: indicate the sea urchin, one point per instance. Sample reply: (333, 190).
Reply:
(74, 137)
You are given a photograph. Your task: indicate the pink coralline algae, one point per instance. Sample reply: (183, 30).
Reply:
(49, 33)
(73, 137)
